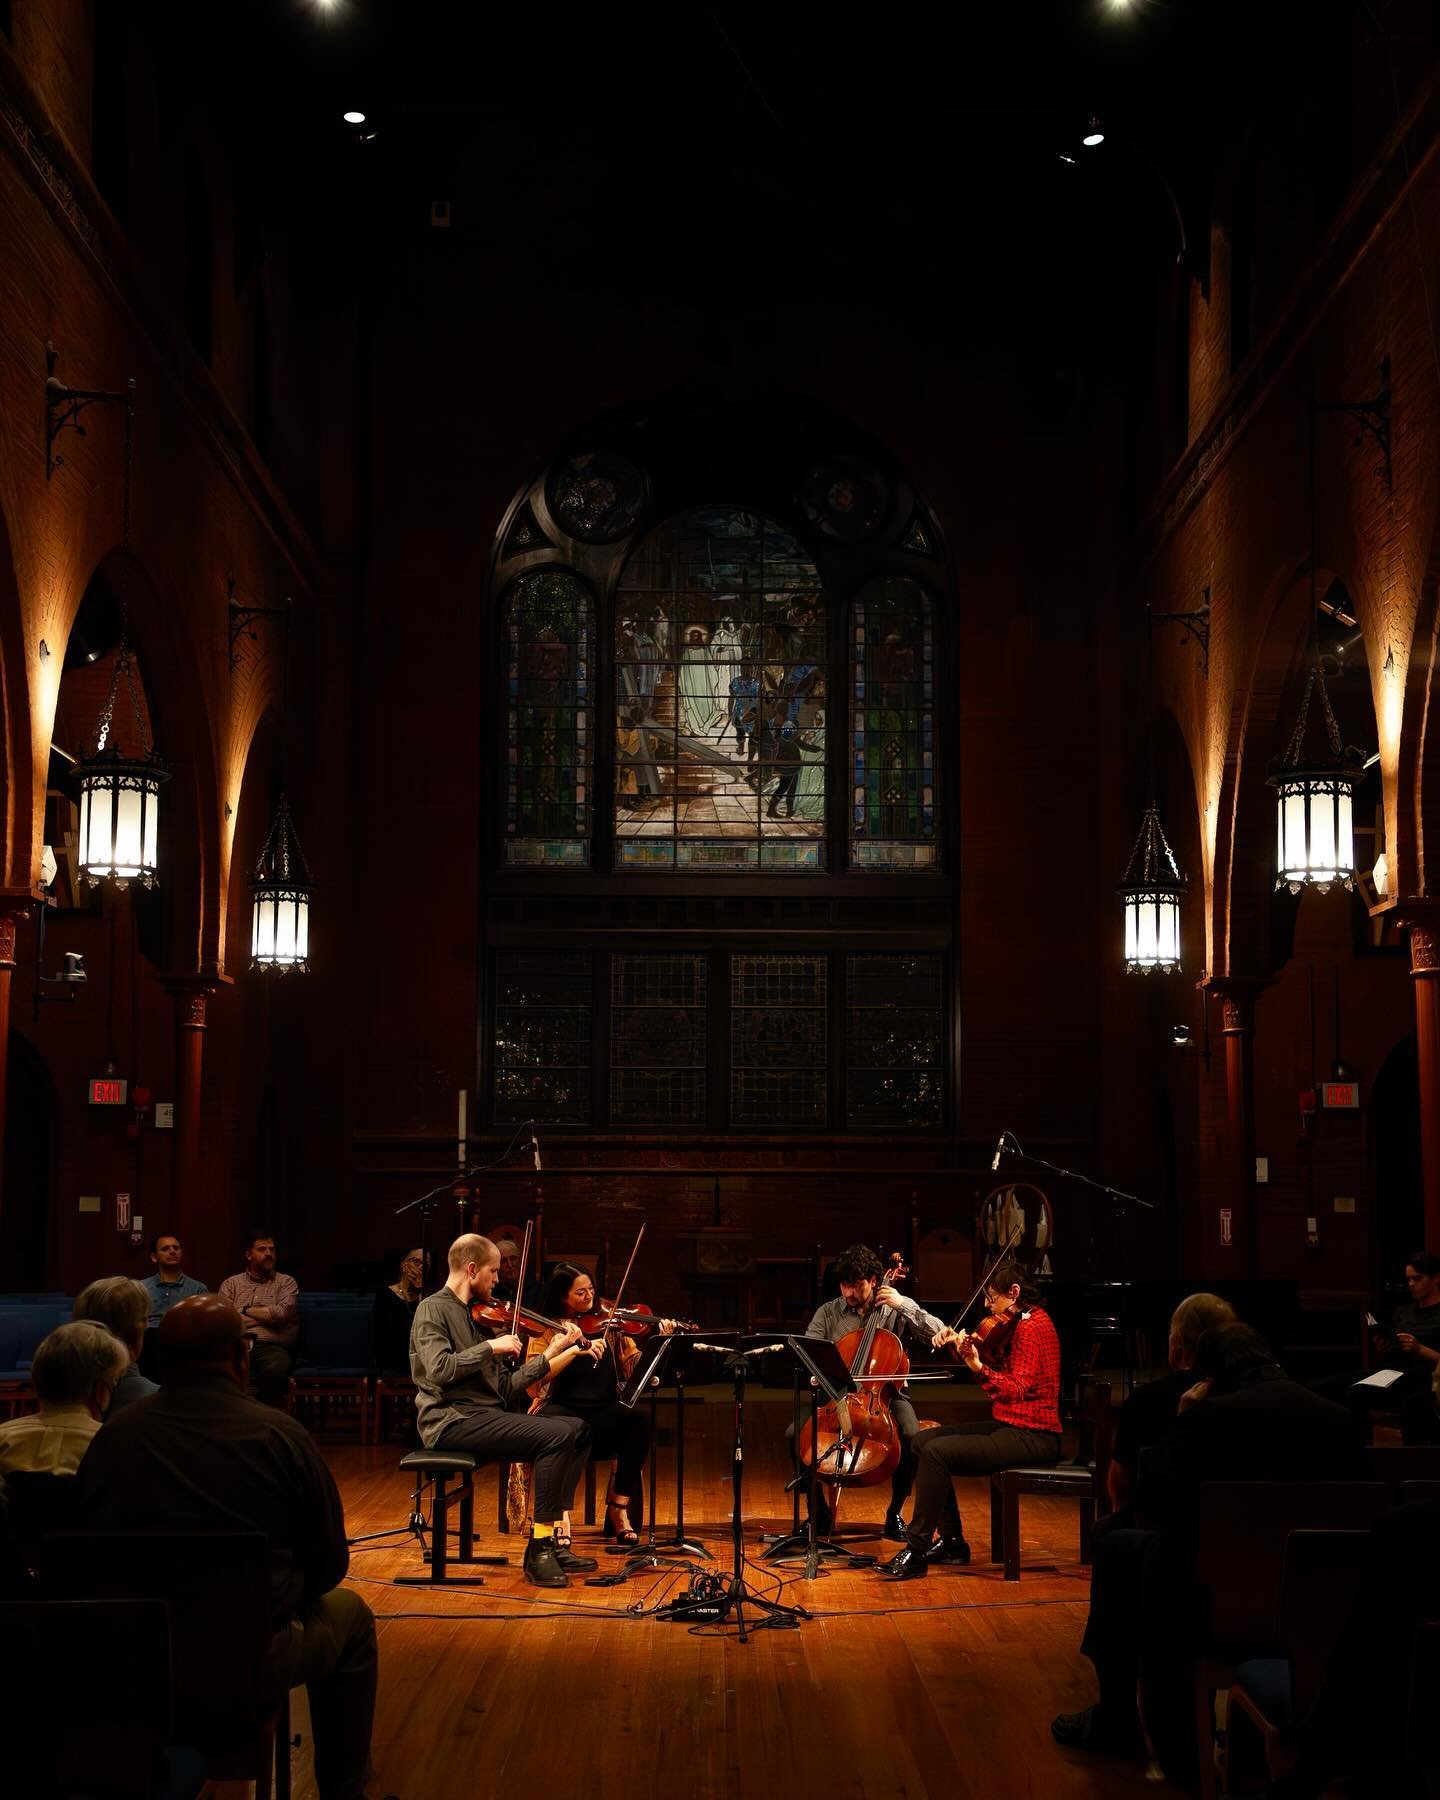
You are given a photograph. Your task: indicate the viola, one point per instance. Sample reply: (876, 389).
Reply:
(857, 1441)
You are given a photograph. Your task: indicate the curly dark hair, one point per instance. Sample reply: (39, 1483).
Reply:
(562, 1278)
(858, 1263)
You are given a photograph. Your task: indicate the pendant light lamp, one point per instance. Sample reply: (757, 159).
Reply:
(1151, 894)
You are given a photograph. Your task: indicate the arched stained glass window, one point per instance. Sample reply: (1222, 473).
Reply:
(549, 624)
(720, 648)
(892, 727)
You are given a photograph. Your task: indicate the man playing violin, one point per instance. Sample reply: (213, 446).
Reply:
(464, 1387)
(1019, 1368)
(863, 1287)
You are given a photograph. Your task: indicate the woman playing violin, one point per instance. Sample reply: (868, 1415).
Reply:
(587, 1390)
(1017, 1362)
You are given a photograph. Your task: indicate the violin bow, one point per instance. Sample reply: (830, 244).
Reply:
(620, 1294)
(520, 1277)
(1014, 1238)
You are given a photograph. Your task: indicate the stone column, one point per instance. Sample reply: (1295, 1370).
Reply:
(1423, 924)
(9, 922)
(1237, 1027)
(191, 995)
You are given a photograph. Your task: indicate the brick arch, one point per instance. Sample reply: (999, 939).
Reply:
(1242, 885)
(174, 690)
(1413, 836)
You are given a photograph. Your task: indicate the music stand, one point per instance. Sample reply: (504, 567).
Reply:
(829, 1375)
(646, 1379)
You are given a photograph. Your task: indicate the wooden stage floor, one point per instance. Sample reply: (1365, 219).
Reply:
(931, 1690)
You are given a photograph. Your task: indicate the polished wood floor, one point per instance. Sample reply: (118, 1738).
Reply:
(934, 1690)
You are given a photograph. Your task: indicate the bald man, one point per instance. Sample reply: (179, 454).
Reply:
(201, 1455)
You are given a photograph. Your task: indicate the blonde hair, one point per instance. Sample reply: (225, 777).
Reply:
(471, 1248)
(1194, 1316)
(116, 1302)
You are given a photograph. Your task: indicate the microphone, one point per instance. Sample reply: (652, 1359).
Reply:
(999, 1151)
(535, 1151)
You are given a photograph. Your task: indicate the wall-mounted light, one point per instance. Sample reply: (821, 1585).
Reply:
(120, 796)
(1151, 894)
(1094, 134)
(1315, 801)
(280, 892)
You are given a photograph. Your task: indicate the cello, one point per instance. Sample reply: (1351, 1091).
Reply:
(858, 1443)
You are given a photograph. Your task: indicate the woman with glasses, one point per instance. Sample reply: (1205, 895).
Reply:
(395, 1314)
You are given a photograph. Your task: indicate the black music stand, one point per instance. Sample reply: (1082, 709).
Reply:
(643, 1382)
(828, 1374)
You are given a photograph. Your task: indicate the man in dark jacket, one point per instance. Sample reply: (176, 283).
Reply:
(201, 1455)
(1242, 1420)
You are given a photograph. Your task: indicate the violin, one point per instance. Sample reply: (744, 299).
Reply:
(993, 1332)
(636, 1321)
(857, 1442)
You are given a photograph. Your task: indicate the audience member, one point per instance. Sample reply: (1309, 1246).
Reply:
(122, 1306)
(395, 1314)
(169, 1283)
(510, 1274)
(1151, 1409)
(75, 1371)
(203, 1456)
(1411, 1347)
(1243, 1419)
(270, 1306)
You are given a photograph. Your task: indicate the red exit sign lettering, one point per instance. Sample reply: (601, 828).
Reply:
(108, 1090)
(1339, 1093)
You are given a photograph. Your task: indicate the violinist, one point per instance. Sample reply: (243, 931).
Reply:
(464, 1386)
(588, 1390)
(862, 1288)
(1020, 1371)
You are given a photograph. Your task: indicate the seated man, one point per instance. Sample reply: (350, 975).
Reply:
(270, 1306)
(75, 1371)
(860, 1272)
(203, 1456)
(1242, 1420)
(1022, 1378)
(1411, 1347)
(1151, 1410)
(169, 1283)
(465, 1382)
(122, 1306)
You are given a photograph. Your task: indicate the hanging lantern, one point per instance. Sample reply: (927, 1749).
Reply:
(120, 797)
(280, 890)
(1151, 894)
(1315, 794)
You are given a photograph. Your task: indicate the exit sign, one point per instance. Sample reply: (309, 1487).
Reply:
(108, 1090)
(1339, 1093)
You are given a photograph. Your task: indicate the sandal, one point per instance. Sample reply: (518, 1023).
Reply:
(617, 1524)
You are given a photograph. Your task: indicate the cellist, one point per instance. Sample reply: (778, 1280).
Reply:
(860, 1271)
(1020, 1371)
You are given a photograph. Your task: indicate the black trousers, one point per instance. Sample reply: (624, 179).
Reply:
(619, 1431)
(903, 1479)
(559, 1448)
(946, 1451)
(270, 1366)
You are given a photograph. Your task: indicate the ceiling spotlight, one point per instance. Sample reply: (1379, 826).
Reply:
(1065, 157)
(353, 117)
(1094, 133)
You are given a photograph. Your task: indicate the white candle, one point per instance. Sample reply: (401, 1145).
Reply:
(460, 1136)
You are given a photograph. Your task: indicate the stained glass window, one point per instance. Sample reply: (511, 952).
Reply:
(542, 1037)
(720, 646)
(778, 1040)
(894, 1041)
(657, 1040)
(892, 727)
(548, 631)
(597, 497)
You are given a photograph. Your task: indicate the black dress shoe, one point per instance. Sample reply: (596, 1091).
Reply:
(1090, 1730)
(948, 1550)
(908, 1565)
(543, 1567)
(571, 1562)
(894, 1526)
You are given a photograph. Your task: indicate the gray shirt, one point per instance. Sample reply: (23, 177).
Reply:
(838, 1317)
(455, 1371)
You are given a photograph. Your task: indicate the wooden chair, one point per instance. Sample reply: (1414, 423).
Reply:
(1084, 1480)
(334, 1354)
(217, 1588)
(111, 1742)
(1319, 1585)
(1240, 1557)
(1394, 1463)
(392, 1390)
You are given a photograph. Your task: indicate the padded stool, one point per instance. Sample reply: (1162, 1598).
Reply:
(1075, 1481)
(450, 1475)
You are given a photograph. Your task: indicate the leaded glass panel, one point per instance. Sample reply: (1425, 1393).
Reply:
(894, 1041)
(549, 721)
(720, 647)
(892, 728)
(542, 1036)
(657, 1040)
(778, 1040)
